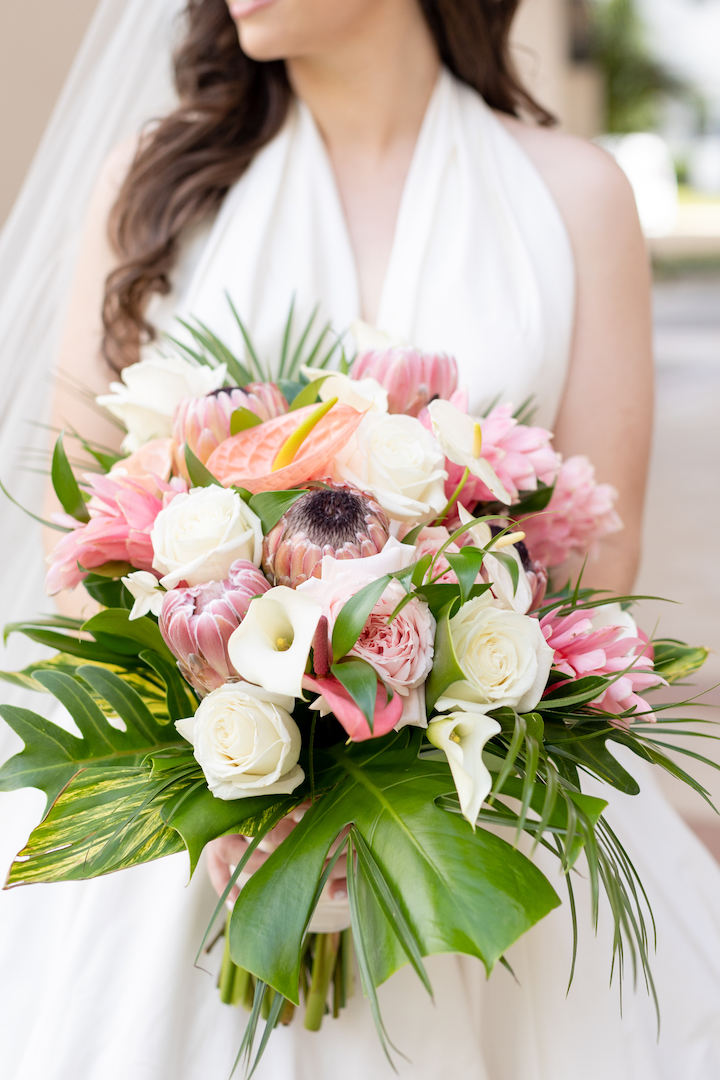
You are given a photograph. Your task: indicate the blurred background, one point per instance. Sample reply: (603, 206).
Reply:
(643, 78)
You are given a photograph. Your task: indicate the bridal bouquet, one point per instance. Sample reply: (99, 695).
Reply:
(325, 599)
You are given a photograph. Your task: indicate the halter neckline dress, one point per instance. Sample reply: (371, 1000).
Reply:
(102, 984)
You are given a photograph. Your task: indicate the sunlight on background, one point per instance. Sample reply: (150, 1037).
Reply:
(643, 78)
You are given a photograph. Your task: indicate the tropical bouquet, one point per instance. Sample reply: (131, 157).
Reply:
(324, 601)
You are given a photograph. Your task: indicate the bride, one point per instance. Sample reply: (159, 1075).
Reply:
(367, 156)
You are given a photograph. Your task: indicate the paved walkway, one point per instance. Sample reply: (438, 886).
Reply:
(682, 533)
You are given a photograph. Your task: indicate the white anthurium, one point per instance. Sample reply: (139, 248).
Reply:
(150, 392)
(147, 593)
(271, 646)
(245, 741)
(365, 395)
(462, 737)
(514, 599)
(481, 534)
(460, 437)
(368, 338)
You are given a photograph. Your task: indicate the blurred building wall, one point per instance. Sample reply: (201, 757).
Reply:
(39, 41)
(37, 45)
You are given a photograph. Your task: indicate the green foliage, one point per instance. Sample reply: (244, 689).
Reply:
(675, 661)
(361, 682)
(242, 420)
(457, 890)
(635, 81)
(65, 484)
(271, 505)
(199, 475)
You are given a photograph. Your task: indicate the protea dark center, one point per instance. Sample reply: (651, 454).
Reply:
(336, 520)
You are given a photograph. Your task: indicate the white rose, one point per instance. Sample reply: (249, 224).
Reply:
(399, 462)
(151, 390)
(245, 741)
(200, 535)
(503, 655)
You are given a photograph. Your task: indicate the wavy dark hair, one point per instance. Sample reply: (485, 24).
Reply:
(230, 107)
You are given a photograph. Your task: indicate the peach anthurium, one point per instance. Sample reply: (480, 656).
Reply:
(247, 459)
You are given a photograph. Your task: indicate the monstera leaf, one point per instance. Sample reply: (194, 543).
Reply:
(96, 789)
(456, 890)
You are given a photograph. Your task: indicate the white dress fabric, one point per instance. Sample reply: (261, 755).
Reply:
(97, 979)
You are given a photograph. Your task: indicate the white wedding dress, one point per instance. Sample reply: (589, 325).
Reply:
(97, 978)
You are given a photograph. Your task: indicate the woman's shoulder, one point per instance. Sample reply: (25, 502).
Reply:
(591, 191)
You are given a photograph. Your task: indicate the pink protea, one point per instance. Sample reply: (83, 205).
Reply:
(579, 514)
(122, 513)
(335, 519)
(203, 423)
(411, 378)
(197, 622)
(598, 642)
(520, 456)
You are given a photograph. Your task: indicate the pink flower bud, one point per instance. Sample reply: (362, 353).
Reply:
(411, 378)
(203, 423)
(196, 624)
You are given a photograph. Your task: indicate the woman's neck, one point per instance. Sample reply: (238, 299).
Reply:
(372, 89)
(369, 96)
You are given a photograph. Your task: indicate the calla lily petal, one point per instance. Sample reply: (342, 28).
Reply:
(462, 738)
(272, 644)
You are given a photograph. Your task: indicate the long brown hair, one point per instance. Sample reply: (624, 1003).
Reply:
(230, 107)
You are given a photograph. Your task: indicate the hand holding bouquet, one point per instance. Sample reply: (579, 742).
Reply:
(324, 603)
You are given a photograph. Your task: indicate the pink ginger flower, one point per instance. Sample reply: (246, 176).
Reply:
(520, 456)
(203, 423)
(579, 514)
(411, 378)
(122, 513)
(605, 641)
(197, 622)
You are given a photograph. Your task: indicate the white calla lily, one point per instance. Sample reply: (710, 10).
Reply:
(462, 737)
(460, 438)
(271, 646)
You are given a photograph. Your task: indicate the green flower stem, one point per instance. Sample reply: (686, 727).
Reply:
(453, 498)
(326, 948)
(226, 978)
(348, 966)
(242, 986)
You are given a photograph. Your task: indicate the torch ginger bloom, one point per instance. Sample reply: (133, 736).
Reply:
(411, 378)
(605, 641)
(579, 514)
(122, 514)
(197, 622)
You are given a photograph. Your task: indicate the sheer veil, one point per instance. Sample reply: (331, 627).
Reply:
(121, 78)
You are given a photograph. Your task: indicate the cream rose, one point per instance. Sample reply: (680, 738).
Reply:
(200, 534)
(245, 741)
(503, 655)
(151, 390)
(399, 461)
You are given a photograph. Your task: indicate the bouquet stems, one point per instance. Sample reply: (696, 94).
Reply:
(328, 961)
(324, 962)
